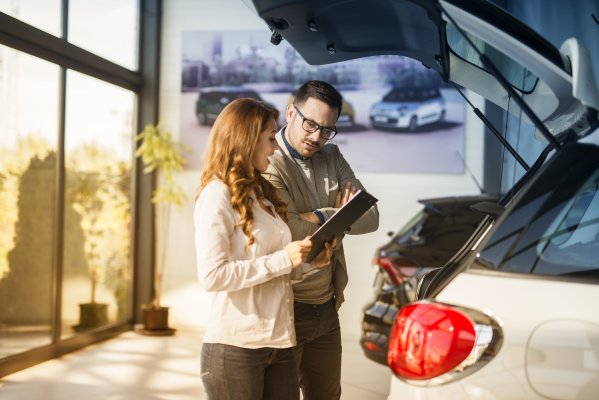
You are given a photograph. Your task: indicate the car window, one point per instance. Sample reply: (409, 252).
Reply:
(571, 243)
(515, 126)
(251, 95)
(210, 96)
(553, 230)
(406, 94)
(520, 78)
(409, 233)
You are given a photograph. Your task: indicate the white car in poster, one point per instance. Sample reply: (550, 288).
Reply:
(408, 107)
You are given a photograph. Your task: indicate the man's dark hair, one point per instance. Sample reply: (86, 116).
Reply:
(319, 90)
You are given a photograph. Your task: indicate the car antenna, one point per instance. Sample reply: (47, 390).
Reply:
(506, 85)
(480, 188)
(494, 130)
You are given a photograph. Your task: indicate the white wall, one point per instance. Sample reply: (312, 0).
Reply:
(397, 193)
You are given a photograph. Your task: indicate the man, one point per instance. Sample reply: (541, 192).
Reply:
(315, 180)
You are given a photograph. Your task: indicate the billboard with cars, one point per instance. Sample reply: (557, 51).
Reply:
(398, 116)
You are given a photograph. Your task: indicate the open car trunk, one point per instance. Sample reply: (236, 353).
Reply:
(556, 85)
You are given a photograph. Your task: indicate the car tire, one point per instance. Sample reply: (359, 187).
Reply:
(413, 124)
(442, 117)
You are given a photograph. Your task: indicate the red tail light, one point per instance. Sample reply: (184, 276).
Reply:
(373, 346)
(428, 340)
(397, 270)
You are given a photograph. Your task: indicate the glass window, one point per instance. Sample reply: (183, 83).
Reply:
(516, 128)
(520, 78)
(108, 28)
(28, 138)
(524, 139)
(43, 14)
(97, 234)
(554, 228)
(571, 243)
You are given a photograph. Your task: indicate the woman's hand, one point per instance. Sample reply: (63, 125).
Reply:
(324, 258)
(298, 251)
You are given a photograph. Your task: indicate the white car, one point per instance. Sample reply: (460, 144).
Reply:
(511, 318)
(408, 107)
(513, 314)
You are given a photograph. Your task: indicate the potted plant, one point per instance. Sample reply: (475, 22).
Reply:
(94, 313)
(95, 195)
(160, 153)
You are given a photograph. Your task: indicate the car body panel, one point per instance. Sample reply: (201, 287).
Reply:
(408, 107)
(551, 99)
(348, 115)
(428, 240)
(327, 31)
(535, 272)
(531, 362)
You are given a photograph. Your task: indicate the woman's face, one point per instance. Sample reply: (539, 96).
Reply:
(266, 146)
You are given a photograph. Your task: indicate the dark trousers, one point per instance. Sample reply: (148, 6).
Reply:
(235, 373)
(318, 351)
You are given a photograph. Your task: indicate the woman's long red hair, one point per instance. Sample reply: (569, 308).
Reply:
(229, 158)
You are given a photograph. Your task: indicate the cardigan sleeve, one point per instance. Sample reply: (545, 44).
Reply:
(215, 222)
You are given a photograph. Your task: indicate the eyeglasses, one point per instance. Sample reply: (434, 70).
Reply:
(310, 126)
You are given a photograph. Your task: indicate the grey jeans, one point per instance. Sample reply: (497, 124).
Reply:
(235, 373)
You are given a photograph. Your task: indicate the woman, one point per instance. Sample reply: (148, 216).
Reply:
(246, 260)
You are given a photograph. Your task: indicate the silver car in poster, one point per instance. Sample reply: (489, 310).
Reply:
(408, 107)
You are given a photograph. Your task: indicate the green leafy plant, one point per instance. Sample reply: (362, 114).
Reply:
(160, 153)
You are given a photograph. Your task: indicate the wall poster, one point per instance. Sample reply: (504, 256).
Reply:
(398, 116)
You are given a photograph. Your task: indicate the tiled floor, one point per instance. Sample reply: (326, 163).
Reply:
(135, 367)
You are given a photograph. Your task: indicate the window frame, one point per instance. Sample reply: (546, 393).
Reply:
(144, 83)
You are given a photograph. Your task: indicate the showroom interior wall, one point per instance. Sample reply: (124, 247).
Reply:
(397, 193)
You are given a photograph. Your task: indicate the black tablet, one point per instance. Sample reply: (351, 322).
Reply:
(340, 221)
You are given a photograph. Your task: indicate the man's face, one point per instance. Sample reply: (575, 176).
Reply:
(304, 142)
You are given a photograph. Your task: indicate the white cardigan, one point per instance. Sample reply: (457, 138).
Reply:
(252, 298)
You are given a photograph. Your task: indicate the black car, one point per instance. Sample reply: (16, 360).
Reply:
(428, 240)
(212, 100)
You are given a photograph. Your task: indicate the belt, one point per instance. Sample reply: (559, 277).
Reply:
(305, 311)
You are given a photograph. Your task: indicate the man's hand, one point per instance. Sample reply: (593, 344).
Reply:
(343, 196)
(324, 258)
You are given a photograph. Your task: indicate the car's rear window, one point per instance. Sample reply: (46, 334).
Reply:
(409, 233)
(520, 78)
(553, 230)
